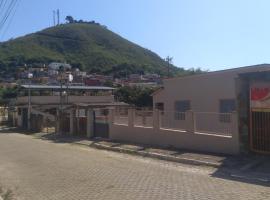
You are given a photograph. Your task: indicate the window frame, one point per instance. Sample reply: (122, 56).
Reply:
(180, 114)
(225, 113)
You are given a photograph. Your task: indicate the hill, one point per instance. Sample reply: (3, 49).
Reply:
(90, 47)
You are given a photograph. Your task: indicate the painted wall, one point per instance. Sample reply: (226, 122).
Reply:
(182, 139)
(204, 91)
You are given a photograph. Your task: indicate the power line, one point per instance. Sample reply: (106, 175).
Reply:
(11, 18)
(7, 11)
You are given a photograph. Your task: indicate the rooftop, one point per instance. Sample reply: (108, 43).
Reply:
(72, 87)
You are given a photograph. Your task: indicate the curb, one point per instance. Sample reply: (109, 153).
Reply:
(157, 156)
(150, 155)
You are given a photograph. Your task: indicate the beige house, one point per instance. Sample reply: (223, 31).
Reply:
(212, 97)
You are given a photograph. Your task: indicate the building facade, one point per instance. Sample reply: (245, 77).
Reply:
(211, 96)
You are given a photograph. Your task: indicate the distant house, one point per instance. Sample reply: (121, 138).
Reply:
(56, 66)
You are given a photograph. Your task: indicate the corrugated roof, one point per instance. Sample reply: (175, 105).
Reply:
(101, 104)
(44, 87)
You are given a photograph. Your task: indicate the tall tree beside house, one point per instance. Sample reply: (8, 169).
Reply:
(137, 96)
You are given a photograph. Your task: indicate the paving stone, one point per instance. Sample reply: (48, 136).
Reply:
(37, 169)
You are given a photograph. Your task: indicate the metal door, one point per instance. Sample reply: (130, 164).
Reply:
(101, 123)
(260, 131)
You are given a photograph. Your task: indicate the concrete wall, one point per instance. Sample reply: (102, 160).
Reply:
(71, 99)
(184, 139)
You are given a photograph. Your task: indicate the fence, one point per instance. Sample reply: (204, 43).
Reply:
(213, 123)
(212, 132)
(175, 120)
(143, 118)
(121, 116)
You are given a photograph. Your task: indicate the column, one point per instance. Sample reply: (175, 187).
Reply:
(191, 118)
(131, 118)
(57, 128)
(235, 132)
(71, 122)
(90, 123)
(156, 119)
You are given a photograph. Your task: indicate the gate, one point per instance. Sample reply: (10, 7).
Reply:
(3, 115)
(260, 131)
(260, 117)
(101, 123)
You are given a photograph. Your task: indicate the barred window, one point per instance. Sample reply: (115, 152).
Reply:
(226, 107)
(180, 108)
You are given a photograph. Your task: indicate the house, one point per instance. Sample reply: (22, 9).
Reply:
(213, 96)
(54, 106)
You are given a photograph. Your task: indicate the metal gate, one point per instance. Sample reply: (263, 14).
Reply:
(101, 123)
(260, 131)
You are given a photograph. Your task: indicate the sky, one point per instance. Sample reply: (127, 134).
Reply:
(210, 34)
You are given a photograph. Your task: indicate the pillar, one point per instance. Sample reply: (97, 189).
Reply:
(131, 118)
(13, 119)
(191, 118)
(57, 128)
(71, 122)
(29, 118)
(235, 132)
(90, 123)
(156, 120)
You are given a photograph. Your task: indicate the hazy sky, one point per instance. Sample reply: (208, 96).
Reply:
(211, 34)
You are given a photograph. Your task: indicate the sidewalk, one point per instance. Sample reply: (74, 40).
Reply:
(249, 167)
(174, 155)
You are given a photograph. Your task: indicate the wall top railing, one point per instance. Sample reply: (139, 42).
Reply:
(224, 124)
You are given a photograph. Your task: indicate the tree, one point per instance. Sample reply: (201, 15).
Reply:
(70, 19)
(138, 96)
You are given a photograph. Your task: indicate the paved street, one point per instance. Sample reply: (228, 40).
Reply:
(37, 169)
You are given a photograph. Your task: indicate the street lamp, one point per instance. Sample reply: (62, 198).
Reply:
(29, 76)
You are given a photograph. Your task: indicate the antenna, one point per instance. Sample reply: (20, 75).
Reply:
(58, 17)
(53, 17)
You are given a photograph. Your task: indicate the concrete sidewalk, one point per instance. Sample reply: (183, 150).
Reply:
(169, 154)
(249, 167)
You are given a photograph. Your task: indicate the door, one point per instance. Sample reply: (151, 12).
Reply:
(101, 123)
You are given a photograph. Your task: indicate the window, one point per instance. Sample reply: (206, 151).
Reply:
(160, 106)
(226, 106)
(180, 108)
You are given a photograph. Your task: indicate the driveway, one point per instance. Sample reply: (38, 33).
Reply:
(38, 169)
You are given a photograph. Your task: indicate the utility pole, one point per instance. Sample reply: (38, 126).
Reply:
(169, 62)
(29, 76)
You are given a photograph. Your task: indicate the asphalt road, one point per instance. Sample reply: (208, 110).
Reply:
(37, 169)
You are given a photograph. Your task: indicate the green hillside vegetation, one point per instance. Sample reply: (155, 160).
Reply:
(88, 46)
